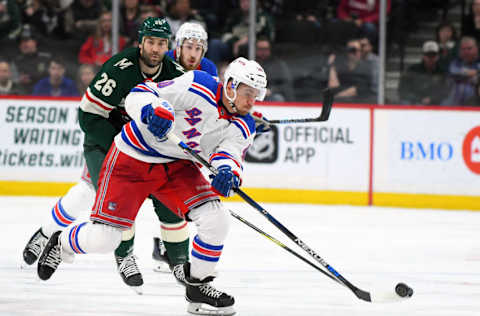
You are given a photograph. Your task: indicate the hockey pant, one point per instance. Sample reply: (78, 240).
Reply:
(174, 230)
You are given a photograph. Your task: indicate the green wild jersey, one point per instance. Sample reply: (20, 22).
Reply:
(101, 104)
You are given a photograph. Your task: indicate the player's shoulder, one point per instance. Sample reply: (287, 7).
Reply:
(171, 66)
(205, 79)
(245, 123)
(209, 66)
(124, 62)
(170, 54)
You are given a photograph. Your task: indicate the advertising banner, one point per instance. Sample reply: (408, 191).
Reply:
(332, 155)
(41, 141)
(427, 152)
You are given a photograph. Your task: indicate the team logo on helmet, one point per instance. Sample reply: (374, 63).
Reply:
(156, 27)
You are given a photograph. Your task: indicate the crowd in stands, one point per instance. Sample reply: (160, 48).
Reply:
(448, 73)
(54, 47)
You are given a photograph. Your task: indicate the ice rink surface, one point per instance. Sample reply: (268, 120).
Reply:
(436, 252)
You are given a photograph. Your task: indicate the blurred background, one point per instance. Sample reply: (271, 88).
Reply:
(428, 56)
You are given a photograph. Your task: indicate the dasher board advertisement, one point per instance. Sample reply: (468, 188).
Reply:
(331, 155)
(41, 141)
(427, 152)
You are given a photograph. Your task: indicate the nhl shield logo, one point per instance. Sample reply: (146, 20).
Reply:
(264, 148)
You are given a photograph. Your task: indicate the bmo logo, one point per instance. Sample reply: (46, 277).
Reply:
(471, 150)
(427, 151)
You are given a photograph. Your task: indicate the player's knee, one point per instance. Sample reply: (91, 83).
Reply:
(103, 238)
(212, 221)
(79, 198)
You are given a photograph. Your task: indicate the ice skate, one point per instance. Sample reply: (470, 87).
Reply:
(204, 299)
(131, 276)
(179, 274)
(34, 248)
(159, 254)
(51, 257)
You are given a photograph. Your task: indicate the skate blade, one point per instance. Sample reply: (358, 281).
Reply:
(205, 309)
(137, 289)
(162, 267)
(24, 265)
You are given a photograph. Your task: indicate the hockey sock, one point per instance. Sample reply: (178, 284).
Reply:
(177, 251)
(174, 232)
(126, 245)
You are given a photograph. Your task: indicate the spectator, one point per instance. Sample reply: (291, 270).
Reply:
(56, 84)
(235, 36)
(49, 17)
(350, 77)
(364, 13)
(158, 7)
(179, 12)
(7, 86)
(85, 15)
(425, 82)
(475, 99)
(280, 85)
(303, 21)
(447, 41)
(130, 13)
(29, 65)
(463, 72)
(85, 74)
(471, 22)
(370, 57)
(10, 23)
(213, 13)
(98, 47)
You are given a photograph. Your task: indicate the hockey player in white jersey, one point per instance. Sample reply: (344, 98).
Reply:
(190, 39)
(211, 118)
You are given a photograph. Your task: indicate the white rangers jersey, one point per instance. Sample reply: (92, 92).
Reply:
(201, 121)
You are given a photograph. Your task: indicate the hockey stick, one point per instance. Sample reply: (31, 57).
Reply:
(324, 115)
(401, 290)
(279, 243)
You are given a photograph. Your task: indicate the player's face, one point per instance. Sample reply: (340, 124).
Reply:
(152, 50)
(191, 54)
(246, 97)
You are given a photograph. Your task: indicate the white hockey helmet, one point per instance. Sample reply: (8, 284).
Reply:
(248, 72)
(189, 31)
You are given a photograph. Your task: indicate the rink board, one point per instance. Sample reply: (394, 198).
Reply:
(389, 155)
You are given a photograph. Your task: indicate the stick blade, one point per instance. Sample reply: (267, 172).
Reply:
(363, 295)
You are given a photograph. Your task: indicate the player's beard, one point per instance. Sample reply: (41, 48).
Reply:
(149, 62)
(190, 64)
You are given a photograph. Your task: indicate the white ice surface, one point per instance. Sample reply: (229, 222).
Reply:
(436, 252)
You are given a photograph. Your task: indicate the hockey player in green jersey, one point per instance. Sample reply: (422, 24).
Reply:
(101, 116)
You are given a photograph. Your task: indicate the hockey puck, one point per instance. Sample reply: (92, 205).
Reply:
(403, 290)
